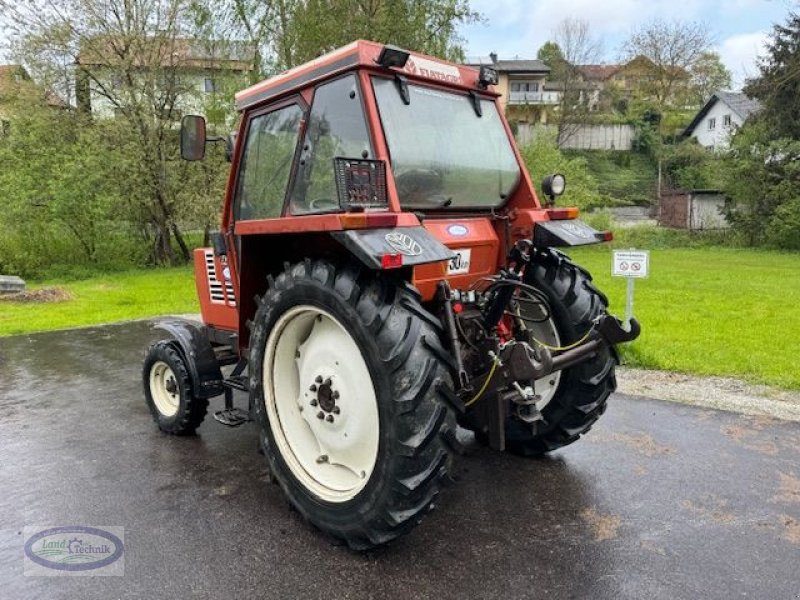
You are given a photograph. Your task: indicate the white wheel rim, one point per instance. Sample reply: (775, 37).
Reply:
(321, 403)
(546, 332)
(164, 389)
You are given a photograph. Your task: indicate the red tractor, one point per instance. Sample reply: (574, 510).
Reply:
(384, 273)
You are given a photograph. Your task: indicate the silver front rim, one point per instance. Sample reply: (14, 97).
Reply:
(543, 331)
(321, 403)
(164, 389)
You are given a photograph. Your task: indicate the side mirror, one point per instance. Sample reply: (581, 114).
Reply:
(193, 137)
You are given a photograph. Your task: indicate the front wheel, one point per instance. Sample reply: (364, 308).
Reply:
(168, 391)
(575, 398)
(344, 379)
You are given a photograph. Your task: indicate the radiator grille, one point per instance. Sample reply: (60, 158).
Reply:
(215, 286)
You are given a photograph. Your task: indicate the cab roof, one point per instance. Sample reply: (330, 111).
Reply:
(363, 54)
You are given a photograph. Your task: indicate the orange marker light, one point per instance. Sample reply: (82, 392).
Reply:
(563, 214)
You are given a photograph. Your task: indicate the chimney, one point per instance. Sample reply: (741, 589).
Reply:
(493, 56)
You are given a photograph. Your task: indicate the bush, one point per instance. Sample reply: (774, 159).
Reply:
(784, 227)
(542, 157)
(689, 166)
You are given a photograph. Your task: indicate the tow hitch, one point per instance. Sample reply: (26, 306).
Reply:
(525, 362)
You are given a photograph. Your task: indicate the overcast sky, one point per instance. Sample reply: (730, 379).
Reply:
(520, 27)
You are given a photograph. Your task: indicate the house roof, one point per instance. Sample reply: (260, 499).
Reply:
(598, 72)
(14, 79)
(738, 102)
(512, 66)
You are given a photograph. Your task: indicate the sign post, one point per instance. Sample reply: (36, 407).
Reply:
(631, 264)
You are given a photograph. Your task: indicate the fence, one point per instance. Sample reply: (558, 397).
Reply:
(584, 137)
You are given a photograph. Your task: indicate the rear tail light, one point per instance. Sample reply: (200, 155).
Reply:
(605, 236)
(391, 261)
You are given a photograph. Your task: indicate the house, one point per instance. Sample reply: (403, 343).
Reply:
(192, 71)
(18, 89)
(522, 85)
(722, 115)
(622, 82)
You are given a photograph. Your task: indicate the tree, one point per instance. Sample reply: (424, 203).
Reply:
(290, 32)
(763, 179)
(672, 49)
(778, 83)
(572, 36)
(551, 55)
(708, 75)
(129, 53)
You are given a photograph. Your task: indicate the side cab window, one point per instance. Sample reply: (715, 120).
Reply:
(336, 127)
(266, 163)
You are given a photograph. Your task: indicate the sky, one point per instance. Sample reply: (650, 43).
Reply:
(519, 27)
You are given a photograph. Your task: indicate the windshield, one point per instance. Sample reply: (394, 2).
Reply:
(443, 154)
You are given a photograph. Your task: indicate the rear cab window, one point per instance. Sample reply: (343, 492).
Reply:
(337, 127)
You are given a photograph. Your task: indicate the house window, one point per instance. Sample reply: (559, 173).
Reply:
(726, 121)
(209, 85)
(514, 87)
(712, 124)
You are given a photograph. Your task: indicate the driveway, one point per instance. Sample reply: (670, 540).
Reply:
(660, 500)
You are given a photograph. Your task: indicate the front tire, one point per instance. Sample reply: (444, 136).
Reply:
(582, 392)
(168, 391)
(344, 376)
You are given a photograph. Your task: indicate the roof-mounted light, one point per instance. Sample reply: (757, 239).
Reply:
(488, 76)
(392, 56)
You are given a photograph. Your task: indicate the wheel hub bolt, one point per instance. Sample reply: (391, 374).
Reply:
(320, 415)
(336, 410)
(322, 459)
(329, 418)
(313, 388)
(335, 395)
(313, 402)
(318, 379)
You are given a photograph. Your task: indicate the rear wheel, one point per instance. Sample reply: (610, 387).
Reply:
(574, 398)
(344, 374)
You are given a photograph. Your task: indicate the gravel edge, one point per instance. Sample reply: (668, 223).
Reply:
(722, 393)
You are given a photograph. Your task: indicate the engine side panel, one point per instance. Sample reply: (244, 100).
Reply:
(215, 290)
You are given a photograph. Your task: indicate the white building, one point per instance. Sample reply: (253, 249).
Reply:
(197, 74)
(720, 117)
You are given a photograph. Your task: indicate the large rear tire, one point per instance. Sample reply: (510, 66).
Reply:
(344, 376)
(582, 391)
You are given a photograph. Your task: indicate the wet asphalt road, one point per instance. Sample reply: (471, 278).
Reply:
(659, 501)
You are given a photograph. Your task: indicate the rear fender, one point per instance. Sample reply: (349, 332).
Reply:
(415, 245)
(563, 233)
(191, 340)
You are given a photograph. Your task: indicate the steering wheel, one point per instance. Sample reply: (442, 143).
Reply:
(322, 204)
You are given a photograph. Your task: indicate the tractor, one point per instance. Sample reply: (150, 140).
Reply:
(385, 277)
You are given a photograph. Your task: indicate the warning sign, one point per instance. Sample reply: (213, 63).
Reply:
(631, 263)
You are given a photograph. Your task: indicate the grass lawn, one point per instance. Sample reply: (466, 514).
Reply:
(103, 299)
(712, 311)
(705, 310)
